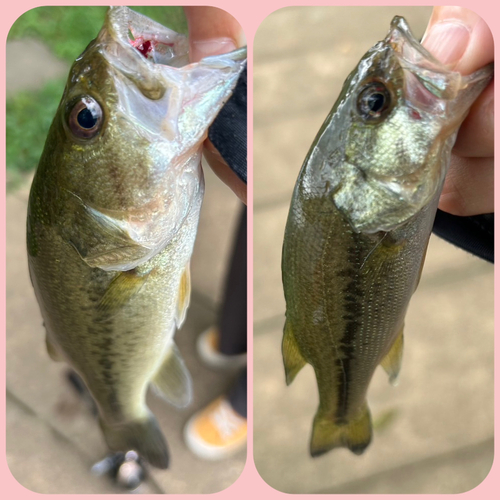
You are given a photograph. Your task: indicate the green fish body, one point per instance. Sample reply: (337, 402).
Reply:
(113, 215)
(359, 223)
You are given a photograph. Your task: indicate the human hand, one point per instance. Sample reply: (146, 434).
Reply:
(213, 31)
(460, 38)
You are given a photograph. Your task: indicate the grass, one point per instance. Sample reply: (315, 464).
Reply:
(66, 31)
(29, 116)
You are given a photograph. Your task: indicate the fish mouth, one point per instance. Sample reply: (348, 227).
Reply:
(138, 47)
(151, 55)
(153, 41)
(430, 85)
(438, 79)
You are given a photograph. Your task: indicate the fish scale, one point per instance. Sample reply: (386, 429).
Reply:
(359, 223)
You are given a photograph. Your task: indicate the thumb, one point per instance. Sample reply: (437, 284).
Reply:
(212, 31)
(459, 38)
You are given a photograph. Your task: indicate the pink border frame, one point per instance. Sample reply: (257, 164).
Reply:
(250, 484)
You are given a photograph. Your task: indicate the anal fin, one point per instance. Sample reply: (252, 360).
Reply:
(327, 434)
(173, 381)
(393, 359)
(292, 358)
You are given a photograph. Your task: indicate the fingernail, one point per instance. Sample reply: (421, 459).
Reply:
(212, 47)
(447, 41)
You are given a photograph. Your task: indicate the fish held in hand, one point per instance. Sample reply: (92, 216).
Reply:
(359, 224)
(113, 215)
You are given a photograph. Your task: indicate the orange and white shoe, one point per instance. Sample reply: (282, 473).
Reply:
(216, 432)
(208, 350)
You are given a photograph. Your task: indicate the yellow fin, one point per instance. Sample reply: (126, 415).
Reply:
(393, 359)
(173, 381)
(121, 289)
(52, 350)
(292, 359)
(184, 297)
(355, 435)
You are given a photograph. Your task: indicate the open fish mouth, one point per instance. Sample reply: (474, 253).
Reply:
(155, 42)
(429, 84)
(152, 56)
(139, 48)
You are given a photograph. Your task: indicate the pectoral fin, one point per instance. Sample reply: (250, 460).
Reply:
(382, 255)
(121, 289)
(184, 297)
(292, 358)
(173, 381)
(392, 361)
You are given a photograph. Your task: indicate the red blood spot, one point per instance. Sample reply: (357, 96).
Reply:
(143, 46)
(415, 114)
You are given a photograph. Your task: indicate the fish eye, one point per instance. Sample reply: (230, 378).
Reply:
(373, 101)
(85, 117)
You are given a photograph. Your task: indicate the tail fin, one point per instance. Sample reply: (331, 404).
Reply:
(355, 434)
(143, 436)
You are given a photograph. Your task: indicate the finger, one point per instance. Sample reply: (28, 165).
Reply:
(468, 189)
(223, 172)
(212, 31)
(459, 38)
(476, 137)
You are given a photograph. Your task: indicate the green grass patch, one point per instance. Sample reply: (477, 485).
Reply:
(66, 31)
(29, 115)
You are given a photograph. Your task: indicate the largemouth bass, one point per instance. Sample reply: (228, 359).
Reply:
(359, 223)
(113, 215)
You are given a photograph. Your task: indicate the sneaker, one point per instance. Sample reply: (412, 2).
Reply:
(216, 432)
(208, 350)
